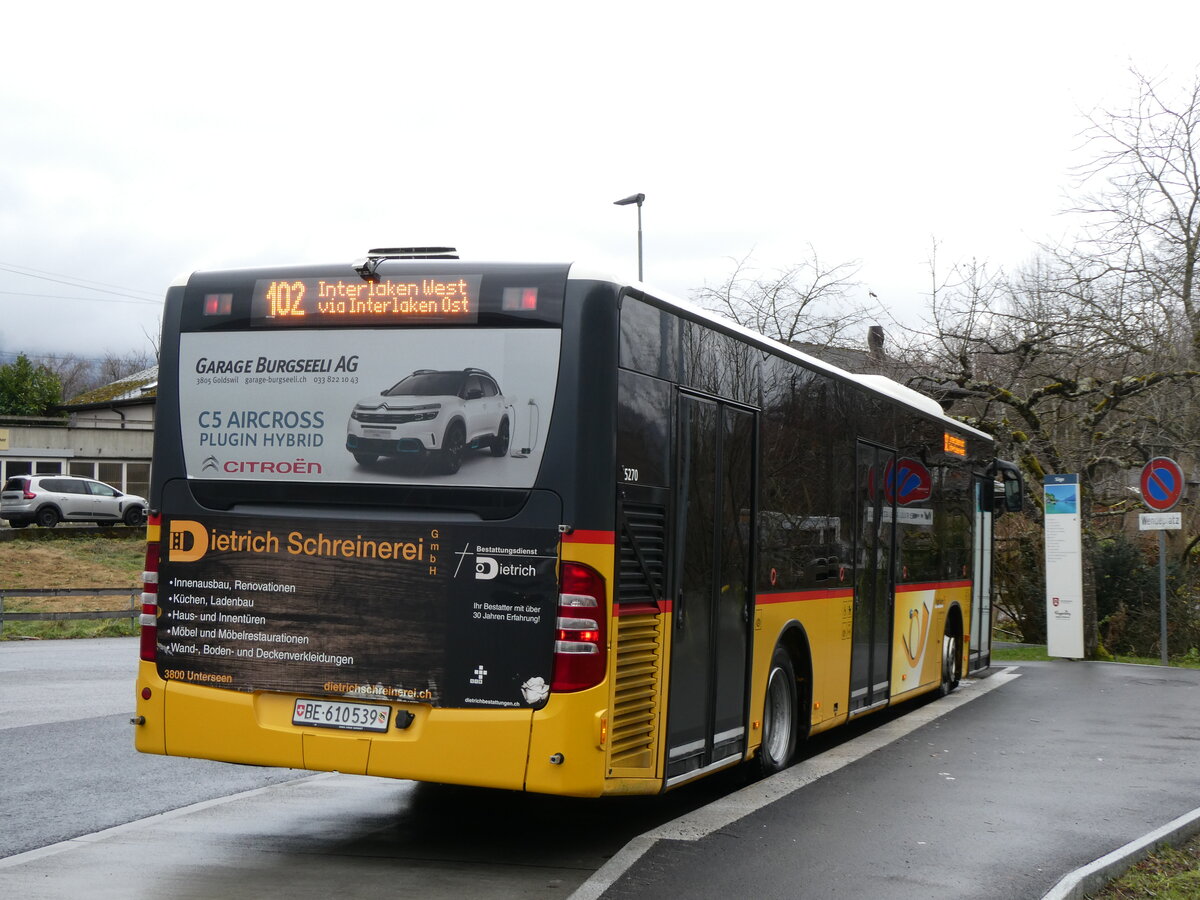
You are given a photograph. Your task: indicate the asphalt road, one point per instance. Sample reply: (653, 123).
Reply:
(95, 818)
(67, 746)
(995, 792)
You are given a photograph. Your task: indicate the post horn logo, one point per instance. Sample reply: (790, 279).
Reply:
(187, 541)
(918, 633)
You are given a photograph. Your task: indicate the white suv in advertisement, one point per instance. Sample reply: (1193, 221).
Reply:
(46, 500)
(432, 413)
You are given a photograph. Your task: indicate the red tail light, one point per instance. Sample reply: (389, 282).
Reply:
(149, 619)
(29, 495)
(581, 644)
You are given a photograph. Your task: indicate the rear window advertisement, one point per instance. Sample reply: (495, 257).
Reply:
(448, 614)
(452, 407)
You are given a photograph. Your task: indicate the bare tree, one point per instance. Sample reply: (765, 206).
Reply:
(74, 373)
(114, 366)
(805, 302)
(1142, 203)
(1052, 365)
(79, 375)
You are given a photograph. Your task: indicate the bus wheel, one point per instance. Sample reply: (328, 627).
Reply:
(452, 448)
(47, 517)
(951, 663)
(779, 715)
(500, 441)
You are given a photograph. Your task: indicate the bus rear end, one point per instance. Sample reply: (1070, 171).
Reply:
(367, 550)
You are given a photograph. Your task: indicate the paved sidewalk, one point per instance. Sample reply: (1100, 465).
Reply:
(998, 799)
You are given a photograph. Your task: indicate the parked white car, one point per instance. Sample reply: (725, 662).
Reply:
(46, 500)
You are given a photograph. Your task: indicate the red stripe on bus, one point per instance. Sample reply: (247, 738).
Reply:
(931, 586)
(650, 608)
(589, 537)
(798, 596)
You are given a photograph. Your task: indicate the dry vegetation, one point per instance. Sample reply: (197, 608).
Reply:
(88, 561)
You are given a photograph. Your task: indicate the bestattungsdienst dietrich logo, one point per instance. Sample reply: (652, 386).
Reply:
(487, 568)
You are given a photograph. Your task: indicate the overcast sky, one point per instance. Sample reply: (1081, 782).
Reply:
(139, 141)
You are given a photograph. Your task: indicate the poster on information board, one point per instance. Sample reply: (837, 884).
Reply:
(1064, 567)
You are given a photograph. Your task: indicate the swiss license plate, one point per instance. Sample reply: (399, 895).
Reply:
(339, 714)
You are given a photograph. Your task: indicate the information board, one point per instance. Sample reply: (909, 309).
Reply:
(1064, 567)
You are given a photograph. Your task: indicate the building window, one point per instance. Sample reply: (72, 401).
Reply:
(112, 473)
(137, 479)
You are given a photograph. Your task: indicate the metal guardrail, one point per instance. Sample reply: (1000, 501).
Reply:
(134, 610)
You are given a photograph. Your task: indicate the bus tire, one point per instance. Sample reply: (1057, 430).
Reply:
(47, 517)
(779, 715)
(951, 662)
(453, 445)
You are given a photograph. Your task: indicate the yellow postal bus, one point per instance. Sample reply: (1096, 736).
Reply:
(527, 527)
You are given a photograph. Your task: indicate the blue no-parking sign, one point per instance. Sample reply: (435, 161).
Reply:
(1162, 483)
(1162, 488)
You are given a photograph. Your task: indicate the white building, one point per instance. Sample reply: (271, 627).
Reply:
(107, 434)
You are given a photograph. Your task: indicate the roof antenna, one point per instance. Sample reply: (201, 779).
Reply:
(369, 268)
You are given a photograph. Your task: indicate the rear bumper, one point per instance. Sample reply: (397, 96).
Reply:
(480, 747)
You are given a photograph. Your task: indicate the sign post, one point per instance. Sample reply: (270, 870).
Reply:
(1162, 488)
(1064, 567)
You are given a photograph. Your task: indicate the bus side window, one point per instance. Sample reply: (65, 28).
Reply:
(643, 424)
(649, 339)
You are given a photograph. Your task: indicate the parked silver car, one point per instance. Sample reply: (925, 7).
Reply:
(46, 500)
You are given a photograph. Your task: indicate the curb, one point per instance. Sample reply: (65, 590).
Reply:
(1095, 876)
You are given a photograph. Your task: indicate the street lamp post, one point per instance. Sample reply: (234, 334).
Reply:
(635, 198)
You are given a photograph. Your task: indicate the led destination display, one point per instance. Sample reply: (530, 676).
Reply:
(335, 301)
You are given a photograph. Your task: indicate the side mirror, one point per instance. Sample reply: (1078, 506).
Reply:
(1011, 495)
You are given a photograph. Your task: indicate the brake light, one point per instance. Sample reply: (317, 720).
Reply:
(28, 494)
(149, 618)
(581, 642)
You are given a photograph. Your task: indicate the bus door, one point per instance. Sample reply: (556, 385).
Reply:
(875, 582)
(706, 710)
(981, 581)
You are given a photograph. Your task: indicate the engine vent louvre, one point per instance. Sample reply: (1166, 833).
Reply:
(635, 709)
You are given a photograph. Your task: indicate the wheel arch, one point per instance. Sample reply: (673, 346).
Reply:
(794, 640)
(954, 665)
(955, 622)
(457, 419)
